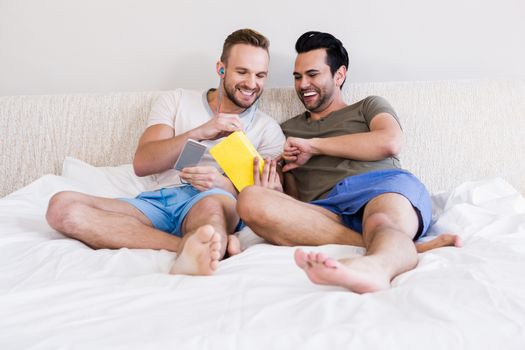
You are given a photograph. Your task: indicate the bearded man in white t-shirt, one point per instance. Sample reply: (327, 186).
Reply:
(190, 212)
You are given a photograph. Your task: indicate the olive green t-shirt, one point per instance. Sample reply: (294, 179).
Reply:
(321, 173)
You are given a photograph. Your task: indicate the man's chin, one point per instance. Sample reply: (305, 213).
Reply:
(246, 103)
(311, 107)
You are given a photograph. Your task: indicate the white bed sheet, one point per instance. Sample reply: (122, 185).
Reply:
(56, 293)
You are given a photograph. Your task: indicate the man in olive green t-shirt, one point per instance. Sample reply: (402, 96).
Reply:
(344, 161)
(316, 178)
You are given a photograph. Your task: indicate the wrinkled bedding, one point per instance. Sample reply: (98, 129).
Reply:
(57, 293)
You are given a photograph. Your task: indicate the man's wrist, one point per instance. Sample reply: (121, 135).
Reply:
(315, 145)
(195, 134)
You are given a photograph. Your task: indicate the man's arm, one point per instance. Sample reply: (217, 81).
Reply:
(159, 148)
(384, 140)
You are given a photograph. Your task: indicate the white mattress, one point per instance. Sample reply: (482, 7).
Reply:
(56, 293)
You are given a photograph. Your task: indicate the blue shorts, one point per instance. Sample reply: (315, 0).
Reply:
(166, 208)
(349, 197)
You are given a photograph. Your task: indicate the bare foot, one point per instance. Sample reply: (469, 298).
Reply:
(443, 240)
(200, 254)
(359, 275)
(234, 245)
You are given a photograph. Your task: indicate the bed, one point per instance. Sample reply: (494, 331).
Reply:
(57, 293)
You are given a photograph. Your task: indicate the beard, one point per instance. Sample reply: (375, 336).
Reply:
(319, 104)
(231, 90)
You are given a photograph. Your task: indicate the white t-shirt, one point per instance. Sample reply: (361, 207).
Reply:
(184, 110)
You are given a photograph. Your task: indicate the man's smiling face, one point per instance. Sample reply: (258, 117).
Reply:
(245, 74)
(314, 82)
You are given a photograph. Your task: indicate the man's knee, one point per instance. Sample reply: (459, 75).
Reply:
(377, 221)
(382, 222)
(250, 203)
(62, 210)
(212, 208)
(214, 204)
(390, 211)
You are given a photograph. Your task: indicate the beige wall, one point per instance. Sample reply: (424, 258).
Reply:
(63, 46)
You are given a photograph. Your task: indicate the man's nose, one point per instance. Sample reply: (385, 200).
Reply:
(251, 82)
(304, 83)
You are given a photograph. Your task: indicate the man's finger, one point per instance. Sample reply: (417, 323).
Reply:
(198, 170)
(231, 126)
(266, 171)
(230, 121)
(273, 170)
(290, 166)
(256, 175)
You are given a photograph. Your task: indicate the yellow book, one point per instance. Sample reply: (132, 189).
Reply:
(235, 155)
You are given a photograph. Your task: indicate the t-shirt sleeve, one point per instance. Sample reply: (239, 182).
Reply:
(373, 105)
(272, 141)
(164, 109)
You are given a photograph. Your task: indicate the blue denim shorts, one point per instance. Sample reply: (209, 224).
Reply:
(166, 208)
(349, 197)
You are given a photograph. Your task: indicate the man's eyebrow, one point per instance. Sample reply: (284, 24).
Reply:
(248, 70)
(312, 71)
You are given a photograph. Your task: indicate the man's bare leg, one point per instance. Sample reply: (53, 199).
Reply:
(322, 269)
(389, 224)
(283, 220)
(338, 271)
(105, 223)
(205, 235)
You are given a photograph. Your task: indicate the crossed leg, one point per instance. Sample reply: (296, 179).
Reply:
(283, 220)
(111, 223)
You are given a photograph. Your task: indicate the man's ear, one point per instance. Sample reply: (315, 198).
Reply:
(340, 76)
(220, 68)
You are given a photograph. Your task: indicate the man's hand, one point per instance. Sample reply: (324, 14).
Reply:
(296, 152)
(205, 178)
(269, 178)
(219, 126)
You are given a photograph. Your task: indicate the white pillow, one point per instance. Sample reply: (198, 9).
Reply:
(118, 181)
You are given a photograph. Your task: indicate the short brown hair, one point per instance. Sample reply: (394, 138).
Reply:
(244, 36)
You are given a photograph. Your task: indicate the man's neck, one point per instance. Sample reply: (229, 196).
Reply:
(334, 106)
(226, 106)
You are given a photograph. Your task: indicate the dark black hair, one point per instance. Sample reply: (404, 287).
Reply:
(336, 55)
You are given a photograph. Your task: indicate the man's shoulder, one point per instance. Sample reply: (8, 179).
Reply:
(376, 100)
(294, 120)
(369, 100)
(372, 98)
